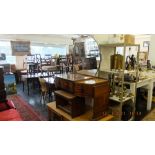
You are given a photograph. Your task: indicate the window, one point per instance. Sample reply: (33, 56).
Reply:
(91, 48)
(5, 47)
(52, 50)
(6, 53)
(36, 48)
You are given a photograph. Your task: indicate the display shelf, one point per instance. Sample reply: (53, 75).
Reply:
(117, 99)
(121, 72)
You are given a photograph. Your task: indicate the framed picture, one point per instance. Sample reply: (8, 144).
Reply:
(79, 49)
(146, 43)
(20, 48)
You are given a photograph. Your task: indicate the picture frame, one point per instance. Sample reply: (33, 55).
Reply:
(20, 48)
(146, 43)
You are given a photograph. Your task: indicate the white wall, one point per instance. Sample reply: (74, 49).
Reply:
(39, 38)
(139, 39)
(19, 62)
(152, 50)
(101, 38)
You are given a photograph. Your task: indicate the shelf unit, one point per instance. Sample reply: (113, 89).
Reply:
(115, 98)
(121, 100)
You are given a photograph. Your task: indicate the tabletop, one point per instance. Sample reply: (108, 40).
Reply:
(36, 75)
(73, 77)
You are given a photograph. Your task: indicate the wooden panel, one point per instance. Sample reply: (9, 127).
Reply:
(1, 70)
(88, 90)
(2, 95)
(65, 94)
(85, 87)
(65, 85)
(2, 86)
(101, 89)
(71, 104)
(1, 78)
(78, 90)
(101, 101)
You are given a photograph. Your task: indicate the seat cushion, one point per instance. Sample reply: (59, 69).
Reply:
(10, 115)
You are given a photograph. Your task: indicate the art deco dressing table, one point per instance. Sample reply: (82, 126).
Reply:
(73, 89)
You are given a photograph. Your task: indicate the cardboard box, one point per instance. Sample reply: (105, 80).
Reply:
(129, 39)
(122, 38)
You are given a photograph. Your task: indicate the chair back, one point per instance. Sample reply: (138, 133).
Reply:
(43, 85)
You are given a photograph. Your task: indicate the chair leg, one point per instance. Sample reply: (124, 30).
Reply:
(41, 98)
(44, 97)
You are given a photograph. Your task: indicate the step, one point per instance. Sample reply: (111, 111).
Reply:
(65, 94)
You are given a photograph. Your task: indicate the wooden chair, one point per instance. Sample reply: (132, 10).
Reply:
(44, 89)
(50, 69)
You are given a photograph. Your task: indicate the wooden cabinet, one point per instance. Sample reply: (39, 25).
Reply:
(99, 90)
(2, 86)
(81, 87)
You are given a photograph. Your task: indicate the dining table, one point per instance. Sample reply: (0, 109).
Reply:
(32, 78)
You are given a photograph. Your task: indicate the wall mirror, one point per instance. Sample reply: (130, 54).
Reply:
(86, 54)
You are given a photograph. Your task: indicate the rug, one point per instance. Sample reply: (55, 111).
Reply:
(26, 111)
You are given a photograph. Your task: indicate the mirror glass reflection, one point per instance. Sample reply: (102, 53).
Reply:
(86, 53)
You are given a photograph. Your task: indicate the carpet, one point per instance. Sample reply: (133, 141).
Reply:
(26, 111)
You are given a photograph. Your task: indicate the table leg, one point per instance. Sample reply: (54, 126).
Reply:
(28, 87)
(133, 91)
(49, 91)
(23, 85)
(33, 83)
(149, 99)
(49, 114)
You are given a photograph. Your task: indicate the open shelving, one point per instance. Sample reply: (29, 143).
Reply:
(122, 72)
